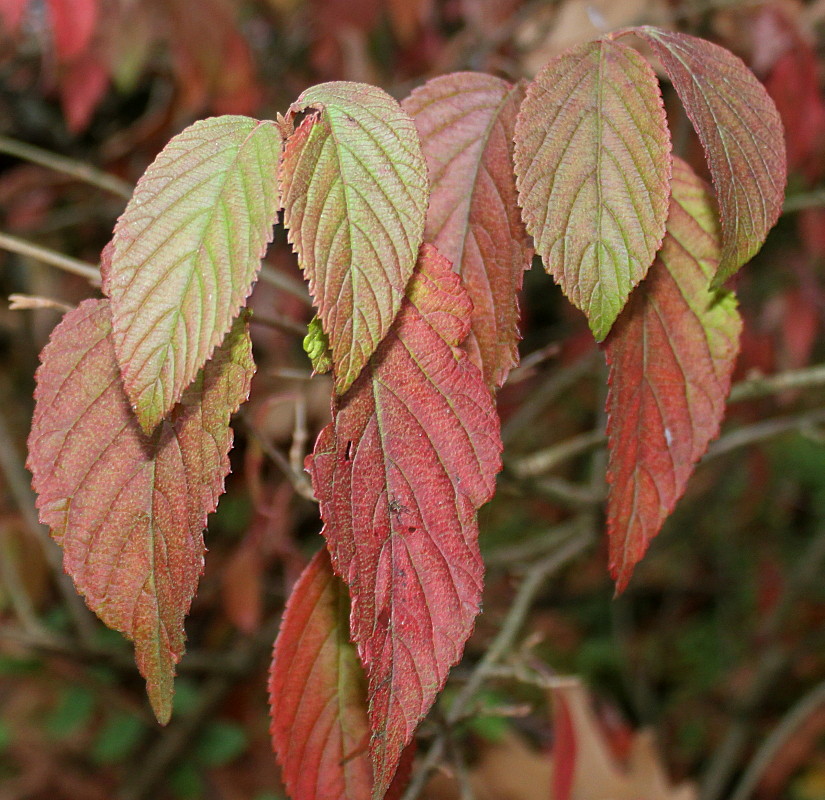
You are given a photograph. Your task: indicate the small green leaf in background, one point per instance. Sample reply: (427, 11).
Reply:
(220, 743)
(186, 782)
(118, 738)
(73, 712)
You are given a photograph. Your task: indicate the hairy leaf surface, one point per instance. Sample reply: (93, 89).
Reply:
(354, 187)
(318, 695)
(671, 355)
(741, 131)
(466, 123)
(129, 508)
(592, 163)
(187, 250)
(411, 454)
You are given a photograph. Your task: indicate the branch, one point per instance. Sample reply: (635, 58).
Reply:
(774, 743)
(67, 166)
(51, 257)
(803, 200)
(532, 584)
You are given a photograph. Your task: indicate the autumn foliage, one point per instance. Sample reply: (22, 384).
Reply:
(413, 224)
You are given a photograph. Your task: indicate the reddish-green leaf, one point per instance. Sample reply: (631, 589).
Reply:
(411, 454)
(741, 132)
(187, 250)
(466, 122)
(593, 168)
(671, 354)
(129, 508)
(354, 187)
(318, 695)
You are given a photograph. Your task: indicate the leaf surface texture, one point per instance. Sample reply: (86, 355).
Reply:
(592, 162)
(411, 454)
(742, 135)
(354, 188)
(466, 123)
(187, 250)
(128, 508)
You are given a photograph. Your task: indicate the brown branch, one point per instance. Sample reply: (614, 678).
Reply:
(50, 257)
(67, 166)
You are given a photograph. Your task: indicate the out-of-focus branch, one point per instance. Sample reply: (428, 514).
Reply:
(534, 579)
(67, 166)
(803, 200)
(51, 257)
(777, 739)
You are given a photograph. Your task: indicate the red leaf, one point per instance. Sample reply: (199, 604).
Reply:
(318, 695)
(741, 132)
(11, 13)
(129, 509)
(73, 23)
(671, 354)
(793, 84)
(410, 456)
(592, 161)
(82, 87)
(466, 122)
(354, 191)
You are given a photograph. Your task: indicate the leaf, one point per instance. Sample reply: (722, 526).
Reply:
(316, 346)
(671, 355)
(411, 454)
(354, 188)
(73, 23)
(187, 250)
(595, 773)
(11, 14)
(466, 121)
(592, 163)
(741, 132)
(318, 695)
(82, 86)
(127, 508)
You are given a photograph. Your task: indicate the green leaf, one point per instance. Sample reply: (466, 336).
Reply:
(74, 711)
(220, 743)
(118, 738)
(741, 132)
(316, 346)
(593, 167)
(186, 252)
(354, 188)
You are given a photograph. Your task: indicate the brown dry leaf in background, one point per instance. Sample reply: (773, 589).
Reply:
(551, 31)
(511, 770)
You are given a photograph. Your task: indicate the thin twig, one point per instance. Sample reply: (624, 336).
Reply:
(764, 385)
(50, 257)
(286, 284)
(803, 200)
(279, 323)
(298, 479)
(543, 461)
(67, 166)
(774, 743)
(531, 585)
(772, 660)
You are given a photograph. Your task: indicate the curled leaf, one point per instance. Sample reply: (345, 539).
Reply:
(318, 695)
(129, 508)
(354, 188)
(741, 132)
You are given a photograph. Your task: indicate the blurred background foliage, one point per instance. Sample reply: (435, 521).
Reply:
(721, 631)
